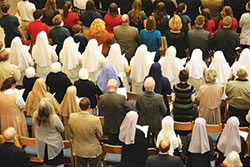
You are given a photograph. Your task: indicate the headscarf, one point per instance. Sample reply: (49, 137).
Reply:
(38, 92)
(196, 64)
(107, 73)
(56, 67)
(69, 55)
(221, 66)
(41, 51)
(69, 104)
(199, 141)
(244, 60)
(128, 128)
(230, 137)
(30, 72)
(169, 66)
(90, 56)
(19, 54)
(83, 74)
(233, 160)
(139, 64)
(115, 58)
(155, 72)
(167, 132)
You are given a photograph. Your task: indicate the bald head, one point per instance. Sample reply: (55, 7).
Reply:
(9, 134)
(112, 84)
(125, 19)
(164, 145)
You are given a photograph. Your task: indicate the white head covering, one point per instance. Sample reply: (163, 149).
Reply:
(41, 51)
(115, 58)
(56, 67)
(128, 128)
(83, 73)
(169, 66)
(233, 160)
(196, 64)
(19, 53)
(30, 72)
(167, 131)
(221, 66)
(139, 64)
(69, 55)
(230, 137)
(199, 141)
(244, 60)
(90, 56)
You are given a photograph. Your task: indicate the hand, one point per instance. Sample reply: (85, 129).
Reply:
(19, 68)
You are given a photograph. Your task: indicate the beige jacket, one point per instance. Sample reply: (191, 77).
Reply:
(238, 93)
(86, 130)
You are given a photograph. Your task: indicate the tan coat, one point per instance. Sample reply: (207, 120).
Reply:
(86, 130)
(10, 114)
(209, 98)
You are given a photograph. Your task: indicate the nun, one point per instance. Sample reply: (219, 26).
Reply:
(20, 56)
(57, 81)
(140, 65)
(43, 54)
(93, 59)
(70, 57)
(87, 88)
(198, 146)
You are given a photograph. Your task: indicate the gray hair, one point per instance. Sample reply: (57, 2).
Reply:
(149, 84)
(211, 76)
(9, 134)
(112, 83)
(242, 72)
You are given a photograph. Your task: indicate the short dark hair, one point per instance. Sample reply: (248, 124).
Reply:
(183, 75)
(165, 148)
(248, 4)
(5, 7)
(76, 28)
(84, 103)
(7, 83)
(151, 24)
(57, 19)
(37, 14)
(200, 20)
(180, 7)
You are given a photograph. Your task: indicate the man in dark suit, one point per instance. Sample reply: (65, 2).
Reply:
(199, 38)
(10, 154)
(226, 40)
(151, 107)
(163, 158)
(115, 107)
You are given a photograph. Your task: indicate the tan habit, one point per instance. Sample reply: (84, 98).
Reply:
(38, 92)
(69, 105)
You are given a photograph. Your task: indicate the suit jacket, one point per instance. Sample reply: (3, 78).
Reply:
(227, 41)
(12, 156)
(86, 130)
(151, 109)
(162, 160)
(115, 107)
(128, 38)
(199, 38)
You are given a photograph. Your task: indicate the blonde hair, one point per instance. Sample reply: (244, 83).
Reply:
(97, 27)
(210, 76)
(232, 160)
(175, 23)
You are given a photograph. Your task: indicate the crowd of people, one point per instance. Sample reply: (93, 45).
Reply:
(64, 69)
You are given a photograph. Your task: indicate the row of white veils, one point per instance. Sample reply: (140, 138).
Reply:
(140, 63)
